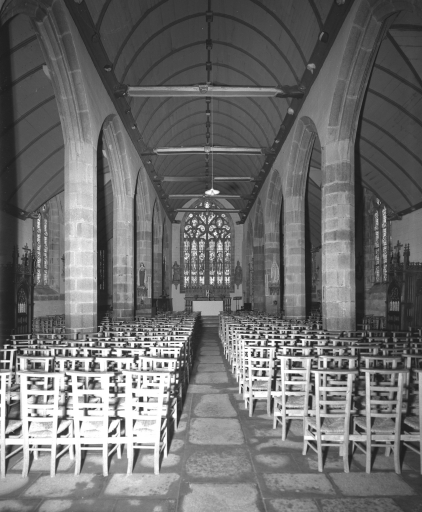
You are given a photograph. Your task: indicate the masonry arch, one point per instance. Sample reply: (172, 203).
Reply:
(370, 24)
(51, 23)
(115, 148)
(295, 219)
(143, 245)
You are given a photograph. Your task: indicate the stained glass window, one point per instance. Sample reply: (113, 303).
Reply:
(207, 247)
(40, 230)
(381, 229)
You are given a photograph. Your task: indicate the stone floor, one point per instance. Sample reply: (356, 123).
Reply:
(219, 460)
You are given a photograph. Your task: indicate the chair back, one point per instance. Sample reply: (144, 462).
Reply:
(42, 403)
(146, 401)
(7, 359)
(91, 402)
(5, 382)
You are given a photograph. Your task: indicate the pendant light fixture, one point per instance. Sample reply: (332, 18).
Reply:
(212, 191)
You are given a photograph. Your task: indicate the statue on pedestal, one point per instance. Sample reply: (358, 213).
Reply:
(176, 274)
(238, 274)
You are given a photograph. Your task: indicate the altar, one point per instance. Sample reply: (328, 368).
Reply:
(208, 307)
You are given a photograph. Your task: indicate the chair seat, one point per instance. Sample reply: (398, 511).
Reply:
(144, 427)
(329, 425)
(260, 384)
(292, 401)
(44, 429)
(413, 422)
(379, 425)
(12, 425)
(91, 428)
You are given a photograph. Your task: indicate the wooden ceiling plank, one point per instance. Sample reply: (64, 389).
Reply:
(405, 58)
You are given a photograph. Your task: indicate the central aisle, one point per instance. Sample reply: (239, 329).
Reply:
(233, 462)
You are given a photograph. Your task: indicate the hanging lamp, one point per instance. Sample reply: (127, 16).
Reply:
(212, 191)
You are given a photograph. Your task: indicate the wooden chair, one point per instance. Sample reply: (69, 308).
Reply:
(259, 364)
(94, 429)
(147, 396)
(7, 359)
(42, 411)
(412, 432)
(333, 402)
(10, 429)
(380, 422)
(292, 393)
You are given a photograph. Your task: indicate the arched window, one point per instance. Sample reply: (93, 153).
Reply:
(381, 227)
(207, 247)
(40, 233)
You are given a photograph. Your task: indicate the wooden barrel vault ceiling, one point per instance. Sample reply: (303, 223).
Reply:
(237, 43)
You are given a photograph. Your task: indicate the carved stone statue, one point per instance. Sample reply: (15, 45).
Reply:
(275, 272)
(141, 275)
(238, 274)
(176, 274)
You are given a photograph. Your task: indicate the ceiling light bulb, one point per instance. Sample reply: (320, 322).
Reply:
(212, 192)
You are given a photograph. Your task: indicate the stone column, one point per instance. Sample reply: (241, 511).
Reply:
(259, 277)
(80, 219)
(338, 238)
(294, 257)
(123, 252)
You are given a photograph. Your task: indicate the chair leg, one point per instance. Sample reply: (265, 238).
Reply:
(250, 404)
(305, 442)
(368, 452)
(396, 449)
(105, 459)
(25, 468)
(346, 456)
(53, 459)
(3, 460)
(78, 458)
(130, 450)
(283, 427)
(319, 451)
(157, 458)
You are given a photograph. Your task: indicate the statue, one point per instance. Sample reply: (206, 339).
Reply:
(142, 279)
(238, 274)
(275, 272)
(141, 275)
(176, 274)
(274, 284)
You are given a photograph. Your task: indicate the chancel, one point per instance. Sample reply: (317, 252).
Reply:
(211, 255)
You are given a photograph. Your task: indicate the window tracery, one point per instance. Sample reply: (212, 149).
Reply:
(207, 247)
(381, 228)
(40, 230)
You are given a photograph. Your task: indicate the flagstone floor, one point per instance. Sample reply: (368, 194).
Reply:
(219, 460)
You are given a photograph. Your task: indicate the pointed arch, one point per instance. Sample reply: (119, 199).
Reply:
(55, 32)
(115, 147)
